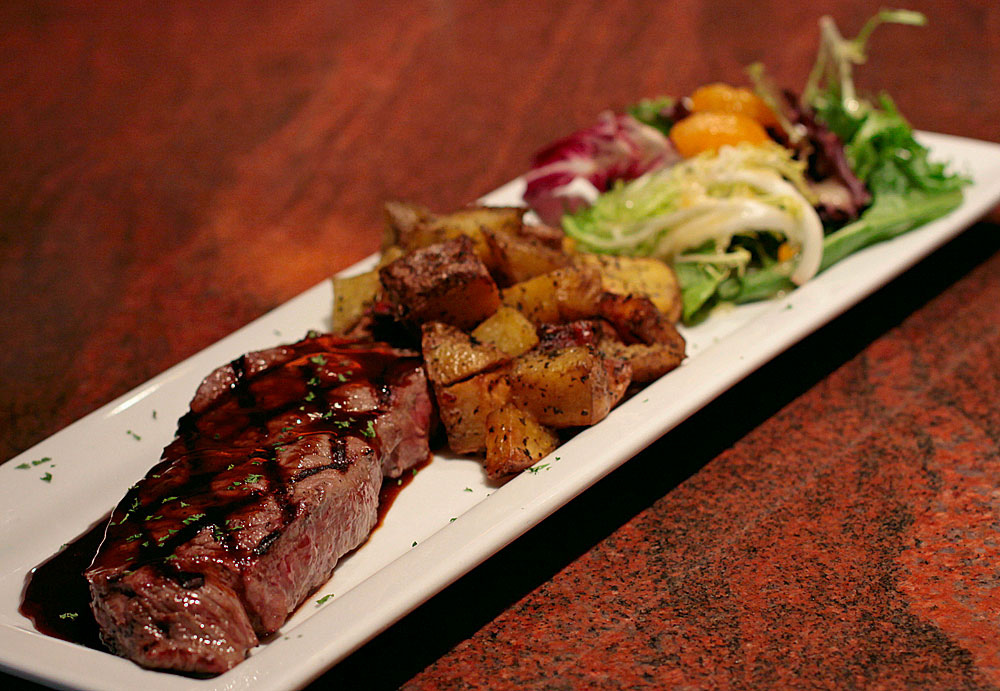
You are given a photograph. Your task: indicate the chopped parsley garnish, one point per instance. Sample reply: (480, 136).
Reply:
(69, 615)
(166, 499)
(133, 435)
(192, 518)
(318, 360)
(341, 377)
(467, 489)
(535, 469)
(324, 599)
(152, 517)
(414, 544)
(24, 466)
(46, 478)
(311, 396)
(41, 460)
(313, 381)
(133, 538)
(369, 430)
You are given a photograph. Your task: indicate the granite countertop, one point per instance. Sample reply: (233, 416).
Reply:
(175, 170)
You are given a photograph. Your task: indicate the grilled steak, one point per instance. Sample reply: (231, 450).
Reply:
(273, 476)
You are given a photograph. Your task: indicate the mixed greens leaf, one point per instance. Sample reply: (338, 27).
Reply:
(907, 188)
(750, 221)
(719, 217)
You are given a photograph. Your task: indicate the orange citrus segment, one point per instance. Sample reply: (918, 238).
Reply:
(707, 131)
(723, 98)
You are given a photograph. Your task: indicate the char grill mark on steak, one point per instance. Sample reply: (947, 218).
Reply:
(273, 476)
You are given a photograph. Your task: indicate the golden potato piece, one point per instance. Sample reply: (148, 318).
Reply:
(549, 236)
(508, 330)
(517, 258)
(402, 223)
(452, 355)
(515, 440)
(390, 254)
(645, 276)
(352, 297)
(444, 282)
(464, 406)
(412, 226)
(648, 362)
(636, 319)
(570, 387)
(561, 295)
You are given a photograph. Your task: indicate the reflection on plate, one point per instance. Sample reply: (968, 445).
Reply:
(449, 519)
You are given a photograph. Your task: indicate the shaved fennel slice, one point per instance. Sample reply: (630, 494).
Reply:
(806, 229)
(738, 190)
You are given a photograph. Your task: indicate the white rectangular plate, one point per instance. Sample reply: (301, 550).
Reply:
(449, 519)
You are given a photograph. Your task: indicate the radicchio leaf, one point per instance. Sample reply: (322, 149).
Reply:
(571, 172)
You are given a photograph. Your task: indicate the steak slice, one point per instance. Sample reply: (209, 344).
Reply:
(273, 476)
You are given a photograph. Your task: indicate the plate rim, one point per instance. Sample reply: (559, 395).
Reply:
(487, 526)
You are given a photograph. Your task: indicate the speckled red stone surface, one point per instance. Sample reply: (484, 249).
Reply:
(849, 541)
(173, 171)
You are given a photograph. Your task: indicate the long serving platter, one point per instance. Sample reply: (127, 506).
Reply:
(449, 518)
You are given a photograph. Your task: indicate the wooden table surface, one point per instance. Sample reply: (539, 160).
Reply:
(170, 171)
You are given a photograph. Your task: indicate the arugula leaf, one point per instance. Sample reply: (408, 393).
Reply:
(908, 189)
(892, 214)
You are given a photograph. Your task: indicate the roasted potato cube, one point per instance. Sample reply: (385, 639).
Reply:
(504, 219)
(517, 258)
(646, 339)
(547, 235)
(389, 255)
(570, 387)
(561, 295)
(413, 226)
(581, 332)
(464, 406)
(641, 276)
(452, 355)
(443, 282)
(648, 362)
(508, 330)
(515, 440)
(636, 319)
(352, 297)
(402, 220)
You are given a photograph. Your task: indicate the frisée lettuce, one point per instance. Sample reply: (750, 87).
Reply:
(719, 218)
